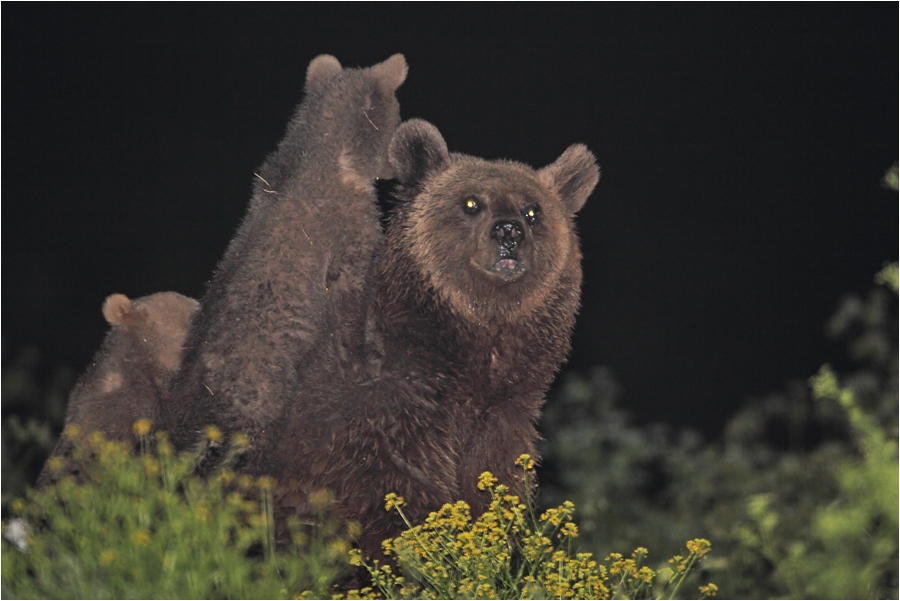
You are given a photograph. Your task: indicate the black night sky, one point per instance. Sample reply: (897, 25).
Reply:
(741, 147)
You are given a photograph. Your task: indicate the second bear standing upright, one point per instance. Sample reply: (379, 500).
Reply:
(292, 279)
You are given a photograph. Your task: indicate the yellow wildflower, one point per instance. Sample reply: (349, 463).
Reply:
(646, 574)
(241, 441)
(338, 547)
(699, 546)
(141, 538)
(106, 557)
(525, 461)
(391, 500)
(486, 480)
(142, 427)
(321, 499)
(552, 515)
(213, 434)
(355, 557)
(708, 591)
(354, 529)
(151, 466)
(163, 446)
(71, 432)
(298, 538)
(56, 464)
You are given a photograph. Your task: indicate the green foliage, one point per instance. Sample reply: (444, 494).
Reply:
(851, 549)
(143, 527)
(800, 494)
(509, 553)
(888, 276)
(890, 178)
(34, 405)
(117, 525)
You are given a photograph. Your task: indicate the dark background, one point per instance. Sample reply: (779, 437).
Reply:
(741, 148)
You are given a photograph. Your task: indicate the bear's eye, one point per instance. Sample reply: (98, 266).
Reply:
(471, 206)
(531, 215)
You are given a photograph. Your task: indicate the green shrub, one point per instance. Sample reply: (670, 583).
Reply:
(799, 494)
(144, 527)
(34, 405)
(116, 525)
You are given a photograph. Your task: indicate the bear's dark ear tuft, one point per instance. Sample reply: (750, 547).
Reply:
(417, 150)
(391, 72)
(573, 176)
(321, 69)
(119, 310)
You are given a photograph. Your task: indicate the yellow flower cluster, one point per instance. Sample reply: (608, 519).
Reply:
(392, 501)
(698, 547)
(505, 553)
(525, 462)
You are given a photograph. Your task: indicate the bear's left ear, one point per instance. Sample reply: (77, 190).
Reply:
(417, 150)
(321, 69)
(119, 310)
(573, 176)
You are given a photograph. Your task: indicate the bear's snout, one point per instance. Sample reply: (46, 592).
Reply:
(508, 235)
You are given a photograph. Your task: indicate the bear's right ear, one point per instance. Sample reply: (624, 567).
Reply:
(321, 69)
(417, 149)
(573, 176)
(119, 310)
(391, 72)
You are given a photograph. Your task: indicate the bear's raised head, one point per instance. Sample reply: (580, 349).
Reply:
(347, 117)
(495, 238)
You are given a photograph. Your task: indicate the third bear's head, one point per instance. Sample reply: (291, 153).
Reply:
(494, 239)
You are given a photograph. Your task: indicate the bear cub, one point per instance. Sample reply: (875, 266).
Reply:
(133, 366)
(291, 285)
(473, 304)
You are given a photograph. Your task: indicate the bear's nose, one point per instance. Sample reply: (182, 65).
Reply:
(508, 235)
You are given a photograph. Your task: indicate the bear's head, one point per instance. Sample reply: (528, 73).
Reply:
(159, 323)
(495, 240)
(346, 119)
(356, 108)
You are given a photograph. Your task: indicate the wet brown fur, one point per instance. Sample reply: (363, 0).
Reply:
(464, 353)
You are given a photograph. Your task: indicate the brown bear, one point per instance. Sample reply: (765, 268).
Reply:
(474, 301)
(138, 357)
(291, 285)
